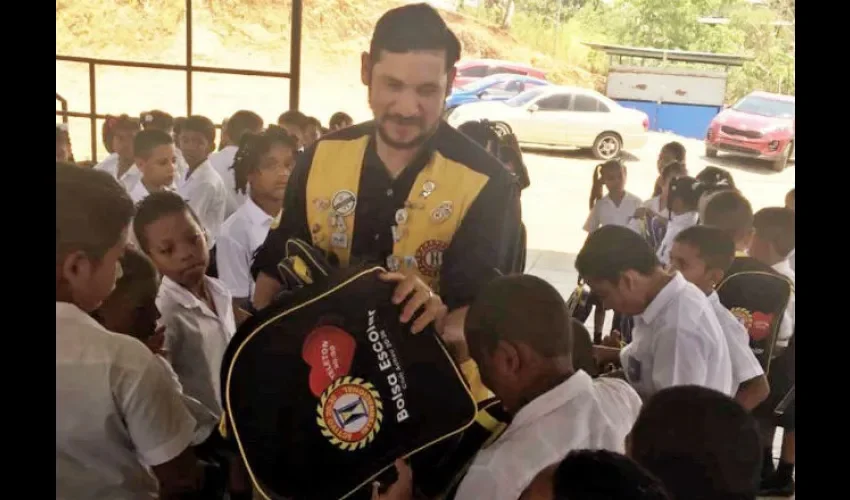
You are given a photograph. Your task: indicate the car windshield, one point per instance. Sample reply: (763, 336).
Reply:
(482, 83)
(524, 98)
(765, 107)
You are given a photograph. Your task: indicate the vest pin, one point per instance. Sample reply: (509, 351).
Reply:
(401, 216)
(321, 204)
(393, 263)
(316, 228)
(428, 187)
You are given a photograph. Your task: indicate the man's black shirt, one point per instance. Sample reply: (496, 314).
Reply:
(485, 244)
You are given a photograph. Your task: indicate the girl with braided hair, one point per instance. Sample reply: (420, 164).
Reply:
(261, 170)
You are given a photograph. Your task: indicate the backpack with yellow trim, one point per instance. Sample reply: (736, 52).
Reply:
(324, 388)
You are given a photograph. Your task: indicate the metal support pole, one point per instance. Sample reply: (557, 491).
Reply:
(93, 111)
(188, 57)
(295, 55)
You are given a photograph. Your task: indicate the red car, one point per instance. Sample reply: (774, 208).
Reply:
(761, 125)
(470, 70)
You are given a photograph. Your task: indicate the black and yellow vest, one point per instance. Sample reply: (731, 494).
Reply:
(436, 205)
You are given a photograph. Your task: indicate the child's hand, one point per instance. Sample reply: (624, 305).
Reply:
(156, 342)
(613, 340)
(642, 212)
(402, 489)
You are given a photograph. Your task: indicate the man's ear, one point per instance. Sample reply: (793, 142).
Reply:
(629, 279)
(366, 68)
(76, 268)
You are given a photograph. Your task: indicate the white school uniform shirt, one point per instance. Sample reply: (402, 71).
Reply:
(745, 366)
(676, 341)
(654, 204)
(205, 419)
(605, 212)
(130, 178)
(241, 235)
(117, 413)
(580, 413)
(786, 328)
(221, 162)
(196, 337)
(204, 191)
(677, 224)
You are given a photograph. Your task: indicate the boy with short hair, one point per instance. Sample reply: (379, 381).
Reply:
(732, 213)
(156, 160)
(294, 123)
(677, 339)
(774, 239)
(118, 416)
(241, 123)
(519, 333)
(312, 131)
(703, 254)
(699, 442)
(202, 187)
(197, 310)
(339, 121)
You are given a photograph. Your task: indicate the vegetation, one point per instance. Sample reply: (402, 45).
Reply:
(743, 27)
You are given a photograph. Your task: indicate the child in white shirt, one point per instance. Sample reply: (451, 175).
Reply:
(262, 167)
(677, 339)
(616, 208)
(241, 123)
(682, 200)
(131, 309)
(118, 135)
(121, 428)
(703, 254)
(618, 205)
(773, 240)
(160, 120)
(197, 310)
(156, 160)
(202, 187)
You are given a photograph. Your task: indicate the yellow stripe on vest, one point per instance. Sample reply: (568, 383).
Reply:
(436, 205)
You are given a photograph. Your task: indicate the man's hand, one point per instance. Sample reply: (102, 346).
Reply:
(419, 296)
(156, 342)
(402, 489)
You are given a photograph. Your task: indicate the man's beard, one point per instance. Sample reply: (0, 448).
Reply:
(411, 144)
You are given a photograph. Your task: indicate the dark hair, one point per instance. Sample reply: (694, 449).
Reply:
(687, 190)
(157, 120)
(701, 443)
(777, 226)
(510, 155)
(596, 187)
(715, 246)
(583, 358)
(730, 212)
(293, 117)
(482, 133)
(178, 125)
(674, 149)
(612, 250)
(603, 474)
(339, 118)
(201, 125)
(138, 277)
(715, 179)
(113, 124)
(414, 27)
(312, 120)
(240, 123)
(147, 140)
(253, 147)
(92, 209)
(675, 168)
(519, 309)
(156, 206)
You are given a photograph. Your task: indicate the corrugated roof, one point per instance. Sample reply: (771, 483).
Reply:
(671, 55)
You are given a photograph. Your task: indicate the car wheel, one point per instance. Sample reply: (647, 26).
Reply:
(780, 163)
(607, 146)
(501, 128)
(710, 152)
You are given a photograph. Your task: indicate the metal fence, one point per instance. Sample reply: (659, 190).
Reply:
(294, 73)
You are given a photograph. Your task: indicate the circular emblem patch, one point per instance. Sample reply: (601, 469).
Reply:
(343, 203)
(743, 316)
(429, 257)
(350, 413)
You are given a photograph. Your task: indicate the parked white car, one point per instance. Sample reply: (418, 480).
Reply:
(560, 117)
